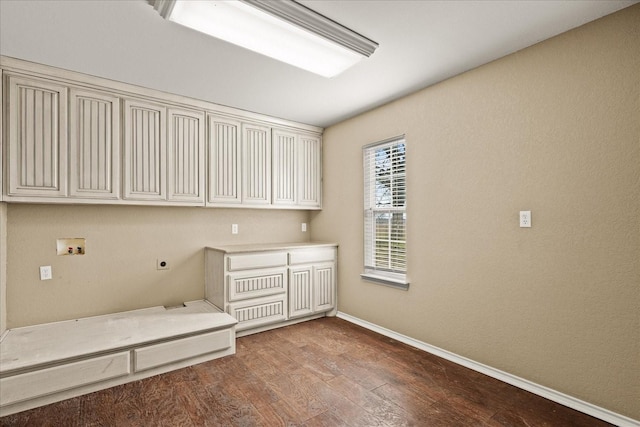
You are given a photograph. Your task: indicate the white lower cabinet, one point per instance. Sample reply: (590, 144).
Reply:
(301, 291)
(42, 364)
(311, 289)
(324, 286)
(265, 286)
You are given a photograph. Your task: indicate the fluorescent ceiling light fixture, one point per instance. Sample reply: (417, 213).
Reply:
(281, 29)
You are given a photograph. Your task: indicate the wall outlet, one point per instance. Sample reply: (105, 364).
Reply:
(46, 273)
(162, 264)
(304, 227)
(234, 228)
(525, 219)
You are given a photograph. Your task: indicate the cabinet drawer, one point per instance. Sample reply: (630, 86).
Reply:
(64, 377)
(259, 311)
(256, 260)
(185, 348)
(257, 283)
(306, 256)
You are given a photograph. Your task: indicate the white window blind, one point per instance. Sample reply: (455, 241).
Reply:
(385, 217)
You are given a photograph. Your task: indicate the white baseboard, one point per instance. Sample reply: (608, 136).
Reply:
(553, 395)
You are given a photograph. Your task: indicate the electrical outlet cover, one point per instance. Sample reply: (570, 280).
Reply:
(525, 219)
(46, 273)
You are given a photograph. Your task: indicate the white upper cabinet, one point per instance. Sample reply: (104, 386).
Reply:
(309, 171)
(285, 167)
(186, 156)
(37, 138)
(73, 138)
(163, 153)
(256, 164)
(224, 161)
(297, 170)
(94, 145)
(145, 150)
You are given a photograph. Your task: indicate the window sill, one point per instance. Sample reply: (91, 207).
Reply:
(398, 283)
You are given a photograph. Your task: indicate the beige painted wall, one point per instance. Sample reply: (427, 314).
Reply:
(554, 129)
(119, 271)
(3, 265)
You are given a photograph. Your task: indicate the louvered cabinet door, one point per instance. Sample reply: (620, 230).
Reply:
(185, 156)
(256, 165)
(324, 284)
(285, 167)
(145, 163)
(37, 138)
(224, 179)
(300, 291)
(310, 171)
(94, 151)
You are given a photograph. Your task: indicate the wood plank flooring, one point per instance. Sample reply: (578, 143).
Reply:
(326, 372)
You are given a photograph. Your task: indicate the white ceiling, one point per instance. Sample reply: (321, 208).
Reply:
(421, 43)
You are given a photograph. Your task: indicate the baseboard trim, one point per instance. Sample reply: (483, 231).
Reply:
(540, 390)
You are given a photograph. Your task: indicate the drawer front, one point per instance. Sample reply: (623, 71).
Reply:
(185, 348)
(257, 283)
(259, 311)
(256, 260)
(64, 377)
(306, 256)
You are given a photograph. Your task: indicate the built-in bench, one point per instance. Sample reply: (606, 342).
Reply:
(47, 363)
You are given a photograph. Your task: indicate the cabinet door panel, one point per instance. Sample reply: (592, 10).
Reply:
(256, 165)
(224, 161)
(144, 150)
(94, 145)
(37, 138)
(186, 162)
(284, 168)
(300, 291)
(259, 311)
(324, 287)
(310, 175)
(63, 377)
(180, 349)
(257, 283)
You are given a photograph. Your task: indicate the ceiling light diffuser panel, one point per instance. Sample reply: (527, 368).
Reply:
(283, 30)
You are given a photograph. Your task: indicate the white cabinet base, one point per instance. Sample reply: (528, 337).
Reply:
(47, 363)
(267, 286)
(257, 329)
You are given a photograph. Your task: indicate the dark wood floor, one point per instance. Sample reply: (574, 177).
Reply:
(325, 372)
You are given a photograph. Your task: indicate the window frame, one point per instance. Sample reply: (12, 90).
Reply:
(380, 202)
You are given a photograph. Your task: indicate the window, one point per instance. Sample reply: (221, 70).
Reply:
(385, 215)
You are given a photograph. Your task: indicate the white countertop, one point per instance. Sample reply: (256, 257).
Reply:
(261, 247)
